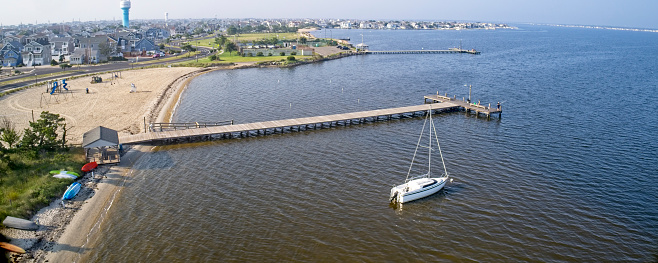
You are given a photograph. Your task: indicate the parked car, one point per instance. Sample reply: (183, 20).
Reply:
(156, 56)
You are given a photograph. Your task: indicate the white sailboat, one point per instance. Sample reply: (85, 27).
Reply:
(424, 185)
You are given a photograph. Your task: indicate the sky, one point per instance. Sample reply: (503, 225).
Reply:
(622, 13)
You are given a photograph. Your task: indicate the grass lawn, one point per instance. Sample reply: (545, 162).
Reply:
(237, 58)
(168, 58)
(28, 186)
(257, 36)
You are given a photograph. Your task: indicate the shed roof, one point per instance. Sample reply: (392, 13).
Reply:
(99, 137)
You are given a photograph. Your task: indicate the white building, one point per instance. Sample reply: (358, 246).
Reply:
(36, 54)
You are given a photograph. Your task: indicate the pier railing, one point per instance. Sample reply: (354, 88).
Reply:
(174, 126)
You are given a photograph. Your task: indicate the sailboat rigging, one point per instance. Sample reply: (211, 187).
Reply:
(424, 185)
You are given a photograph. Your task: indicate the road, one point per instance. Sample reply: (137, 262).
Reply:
(35, 72)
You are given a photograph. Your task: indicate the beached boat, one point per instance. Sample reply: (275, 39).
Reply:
(11, 248)
(71, 191)
(89, 166)
(424, 185)
(64, 174)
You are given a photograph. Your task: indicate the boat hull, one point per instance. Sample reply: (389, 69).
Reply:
(402, 194)
(72, 191)
(89, 166)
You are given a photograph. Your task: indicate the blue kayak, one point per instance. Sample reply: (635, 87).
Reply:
(72, 191)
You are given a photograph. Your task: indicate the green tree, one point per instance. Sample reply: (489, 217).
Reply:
(302, 40)
(221, 41)
(105, 49)
(42, 134)
(64, 66)
(274, 41)
(230, 47)
(213, 57)
(9, 133)
(61, 58)
(232, 30)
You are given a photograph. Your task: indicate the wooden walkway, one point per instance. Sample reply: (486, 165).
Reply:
(469, 107)
(271, 127)
(449, 51)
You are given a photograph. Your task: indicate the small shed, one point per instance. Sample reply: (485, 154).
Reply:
(102, 145)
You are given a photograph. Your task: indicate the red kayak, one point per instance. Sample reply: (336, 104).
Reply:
(88, 167)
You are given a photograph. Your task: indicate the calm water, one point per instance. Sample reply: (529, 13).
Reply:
(568, 174)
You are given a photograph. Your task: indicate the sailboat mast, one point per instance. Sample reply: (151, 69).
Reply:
(429, 146)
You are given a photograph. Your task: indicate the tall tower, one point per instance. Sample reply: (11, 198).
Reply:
(125, 6)
(166, 18)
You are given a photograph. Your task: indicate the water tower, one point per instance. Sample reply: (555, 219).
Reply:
(125, 6)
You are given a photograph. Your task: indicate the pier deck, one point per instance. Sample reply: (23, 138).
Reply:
(477, 108)
(270, 127)
(449, 51)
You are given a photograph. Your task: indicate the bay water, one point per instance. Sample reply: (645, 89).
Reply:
(569, 173)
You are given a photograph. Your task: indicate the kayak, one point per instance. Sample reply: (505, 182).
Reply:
(88, 167)
(11, 248)
(71, 191)
(64, 172)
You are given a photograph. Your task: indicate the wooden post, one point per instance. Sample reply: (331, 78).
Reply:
(144, 124)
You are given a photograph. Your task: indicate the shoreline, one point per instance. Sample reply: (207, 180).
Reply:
(57, 240)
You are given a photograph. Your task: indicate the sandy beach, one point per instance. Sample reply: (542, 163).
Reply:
(110, 103)
(64, 230)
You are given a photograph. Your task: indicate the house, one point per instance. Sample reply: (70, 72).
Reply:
(126, 40)
(156, 34)
(36, 53)
(78, 57)
(92, 47)
(41, 38)
(10, 54)
(61, 46)
(145, 46)
(11, 58)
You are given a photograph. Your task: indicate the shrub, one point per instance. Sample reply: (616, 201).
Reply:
(291, 58)
(293, 53)
(269, 54)
(259, 54)
(53, 63)
(282, 54)
(213, 57)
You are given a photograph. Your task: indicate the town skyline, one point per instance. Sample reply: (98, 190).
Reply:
(586, 12)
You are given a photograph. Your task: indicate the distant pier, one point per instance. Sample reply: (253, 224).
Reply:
(423, 51)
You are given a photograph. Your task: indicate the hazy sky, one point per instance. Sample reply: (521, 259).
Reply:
(624, 13)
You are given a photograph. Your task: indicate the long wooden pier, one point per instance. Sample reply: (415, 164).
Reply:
(449, 51)
(224, 131)
(280, 126)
